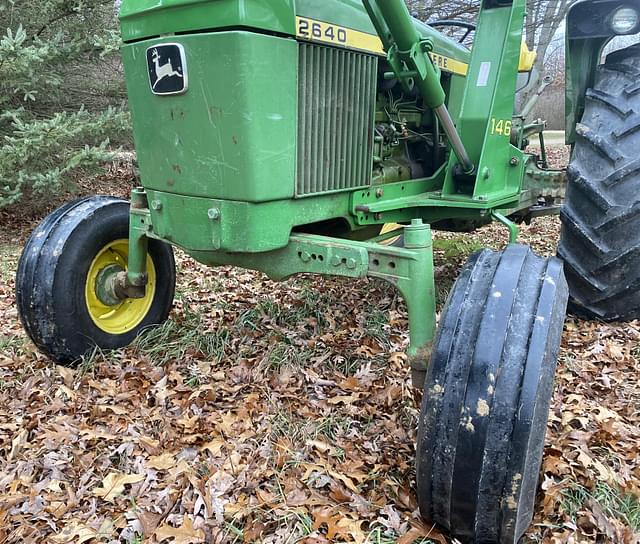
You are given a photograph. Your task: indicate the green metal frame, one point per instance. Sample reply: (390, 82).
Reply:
(582, 59)
(220, 231)
(409, 269)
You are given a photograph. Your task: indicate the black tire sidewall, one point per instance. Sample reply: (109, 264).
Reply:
(75, 328)
(477, 472)
(602, 257)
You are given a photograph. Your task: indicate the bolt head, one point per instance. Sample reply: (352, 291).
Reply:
(514, 161)
(379, 192)
(213, 214)
(156, 205)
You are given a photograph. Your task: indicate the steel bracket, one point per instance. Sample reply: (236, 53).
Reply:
(409, 269)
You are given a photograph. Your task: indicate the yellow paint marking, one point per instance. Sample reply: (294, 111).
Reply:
(319, 31)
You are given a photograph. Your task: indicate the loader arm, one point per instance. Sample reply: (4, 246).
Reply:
(408, 54)
(484, 165)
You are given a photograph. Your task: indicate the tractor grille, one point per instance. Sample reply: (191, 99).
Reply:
(336, 100)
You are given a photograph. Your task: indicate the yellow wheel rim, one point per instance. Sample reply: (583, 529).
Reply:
(128, 314)
(389, 227)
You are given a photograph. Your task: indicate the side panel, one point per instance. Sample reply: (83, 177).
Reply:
(232, 135)
(208, 224)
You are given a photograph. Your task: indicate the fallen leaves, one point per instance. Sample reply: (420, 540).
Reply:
(287, 415)
(185, 534)
(161, 462)
(113, 485)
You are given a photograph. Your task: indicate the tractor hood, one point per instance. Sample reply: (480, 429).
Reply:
(144, 19)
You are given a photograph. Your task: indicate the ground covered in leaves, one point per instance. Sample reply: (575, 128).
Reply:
(281, 413)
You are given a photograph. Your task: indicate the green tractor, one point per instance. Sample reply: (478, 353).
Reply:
(281, 135)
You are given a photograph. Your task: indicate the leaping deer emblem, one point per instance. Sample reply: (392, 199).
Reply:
(164, 70)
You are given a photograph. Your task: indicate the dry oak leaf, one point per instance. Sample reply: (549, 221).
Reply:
(77, 532)
(113, 484)
(185, 534)
(326, 516)
(161, 462)
(420, 533)
(338, 525)
(423, 532)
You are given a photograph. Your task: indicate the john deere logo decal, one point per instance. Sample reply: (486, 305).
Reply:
(167, 65)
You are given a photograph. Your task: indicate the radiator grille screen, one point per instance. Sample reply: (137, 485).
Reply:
(336, 101)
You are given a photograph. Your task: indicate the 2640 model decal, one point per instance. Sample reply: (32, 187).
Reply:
(319, 31)
(310, 29)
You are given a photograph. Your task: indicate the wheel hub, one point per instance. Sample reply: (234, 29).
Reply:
(106, 285)
(114, 305)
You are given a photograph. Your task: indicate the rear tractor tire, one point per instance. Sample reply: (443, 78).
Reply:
(57, 278)
(487, 394)
(600, 237)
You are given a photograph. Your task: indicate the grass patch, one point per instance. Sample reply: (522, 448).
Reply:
(347, 366)
(458, 247)
(11, 343)
(333, 426)
(9, 255)
(376, 325)
(615, 504)
(382, 535)
(174, 340)
(286, 425)
(283, 355)
(310, 304)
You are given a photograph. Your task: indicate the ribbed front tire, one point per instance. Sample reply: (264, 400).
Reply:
(56, 290)
(600, 237)
(487, 394)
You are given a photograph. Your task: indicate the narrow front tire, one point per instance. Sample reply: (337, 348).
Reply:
(57, 282)
(487, 394)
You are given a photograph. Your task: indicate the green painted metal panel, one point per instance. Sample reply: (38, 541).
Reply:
(227, 137)
(486, 113)
(582, 59)
(149, 18)
(208, 224)
(141, 19)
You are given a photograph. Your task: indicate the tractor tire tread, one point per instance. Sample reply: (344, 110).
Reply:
(600, 235)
